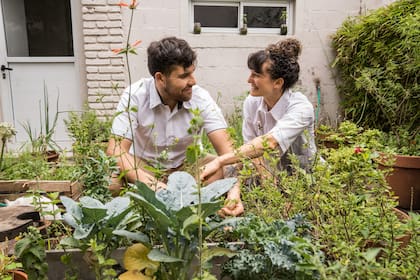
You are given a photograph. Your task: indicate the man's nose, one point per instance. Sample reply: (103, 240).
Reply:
(191, 80)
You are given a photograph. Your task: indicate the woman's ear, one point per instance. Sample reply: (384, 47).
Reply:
(278, 84)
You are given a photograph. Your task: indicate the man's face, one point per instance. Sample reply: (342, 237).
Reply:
(261, 83)
(178, 84)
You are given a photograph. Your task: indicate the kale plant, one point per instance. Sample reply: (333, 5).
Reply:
(277, 250)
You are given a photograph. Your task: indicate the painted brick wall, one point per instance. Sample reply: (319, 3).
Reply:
(222, 57)
(103, 32)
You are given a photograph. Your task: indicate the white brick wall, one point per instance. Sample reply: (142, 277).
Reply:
(102, 32)
(221, 57)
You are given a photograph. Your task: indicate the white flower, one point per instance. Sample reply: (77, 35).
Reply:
(6, 131)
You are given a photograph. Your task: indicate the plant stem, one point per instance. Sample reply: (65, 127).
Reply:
(3, 145)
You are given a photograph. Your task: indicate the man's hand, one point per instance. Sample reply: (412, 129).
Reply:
(209, 170)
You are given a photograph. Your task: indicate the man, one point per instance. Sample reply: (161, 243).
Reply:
(154, 115)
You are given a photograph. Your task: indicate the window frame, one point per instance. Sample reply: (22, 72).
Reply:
(288, 4)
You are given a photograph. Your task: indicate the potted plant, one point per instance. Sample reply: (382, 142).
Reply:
(43, 142)
(197, 28)
(244, 28)
(401, 157)
(10, 268)
(379, 81)
(7, 131)
(283, 23)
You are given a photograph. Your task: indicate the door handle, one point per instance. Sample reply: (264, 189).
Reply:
(3, 67)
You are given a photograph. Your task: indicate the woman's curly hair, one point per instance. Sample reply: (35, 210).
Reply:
(283, 57)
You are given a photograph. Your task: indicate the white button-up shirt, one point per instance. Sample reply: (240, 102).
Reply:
(161, 135)
(290, 121)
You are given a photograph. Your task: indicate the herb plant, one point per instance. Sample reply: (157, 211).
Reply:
(30, 250)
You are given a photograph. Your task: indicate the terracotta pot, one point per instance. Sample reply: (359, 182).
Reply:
(403, 217)
(404, 179)
(403, 240)
(19, 275)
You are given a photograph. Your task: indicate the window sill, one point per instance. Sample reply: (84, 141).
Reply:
(232, 40)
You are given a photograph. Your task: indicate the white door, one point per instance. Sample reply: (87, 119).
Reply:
(37, 58)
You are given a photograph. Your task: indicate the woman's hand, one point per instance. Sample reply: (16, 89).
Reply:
(233, 205)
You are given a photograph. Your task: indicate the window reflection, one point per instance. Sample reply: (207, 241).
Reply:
(38, 27)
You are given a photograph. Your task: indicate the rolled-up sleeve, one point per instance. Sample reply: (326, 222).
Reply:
(125, 120)
(292, 124)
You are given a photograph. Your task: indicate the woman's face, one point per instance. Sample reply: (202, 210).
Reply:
(261, 83)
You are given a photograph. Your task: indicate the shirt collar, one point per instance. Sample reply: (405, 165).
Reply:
(156, 99)
(279, 108)
(154, 96)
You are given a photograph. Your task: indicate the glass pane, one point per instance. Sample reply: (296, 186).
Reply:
(216, 16)
(265, 17)
(38, 27)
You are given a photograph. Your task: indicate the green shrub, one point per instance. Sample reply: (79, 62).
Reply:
(378, 60)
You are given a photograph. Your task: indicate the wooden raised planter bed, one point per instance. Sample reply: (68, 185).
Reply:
(16, 219)
(12, 189)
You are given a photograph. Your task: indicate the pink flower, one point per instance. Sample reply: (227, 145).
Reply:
(358, 150)
(132, 5)
(136, 43)
(131, 48)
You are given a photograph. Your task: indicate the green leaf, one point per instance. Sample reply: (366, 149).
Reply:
(157, 256)
(181, 191)
(70, 241)
(216, 189)
(160, 218)
(371, 253)
(83, 231)
(137, 236)
(189, 224)
(21, 246)
(92, 215)
(117, 205)
(209, 253)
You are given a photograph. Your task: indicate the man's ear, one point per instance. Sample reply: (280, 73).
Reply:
(159, 76)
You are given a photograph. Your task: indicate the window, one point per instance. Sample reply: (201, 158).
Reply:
(38, 27)
(228, 16)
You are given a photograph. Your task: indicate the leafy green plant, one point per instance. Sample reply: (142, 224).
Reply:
(378, 62)
(349, 134)
(7, 131)
(93, 173)
(89, 132)
(402, 142)
(8, 264)
(175, 220)
(43, 141)
(275, 250)
(94, 223)
(30, 250)
(26, 165)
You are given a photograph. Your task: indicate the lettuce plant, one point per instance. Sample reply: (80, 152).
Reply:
(94, 223)
(175, 220)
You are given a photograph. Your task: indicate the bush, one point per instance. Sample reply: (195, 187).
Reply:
(378, 61)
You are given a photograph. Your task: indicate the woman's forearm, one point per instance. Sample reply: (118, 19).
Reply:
(252, 149)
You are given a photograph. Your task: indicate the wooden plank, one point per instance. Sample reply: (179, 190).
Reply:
(16, 188)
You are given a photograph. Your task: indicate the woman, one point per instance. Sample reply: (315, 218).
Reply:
(274, 116)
